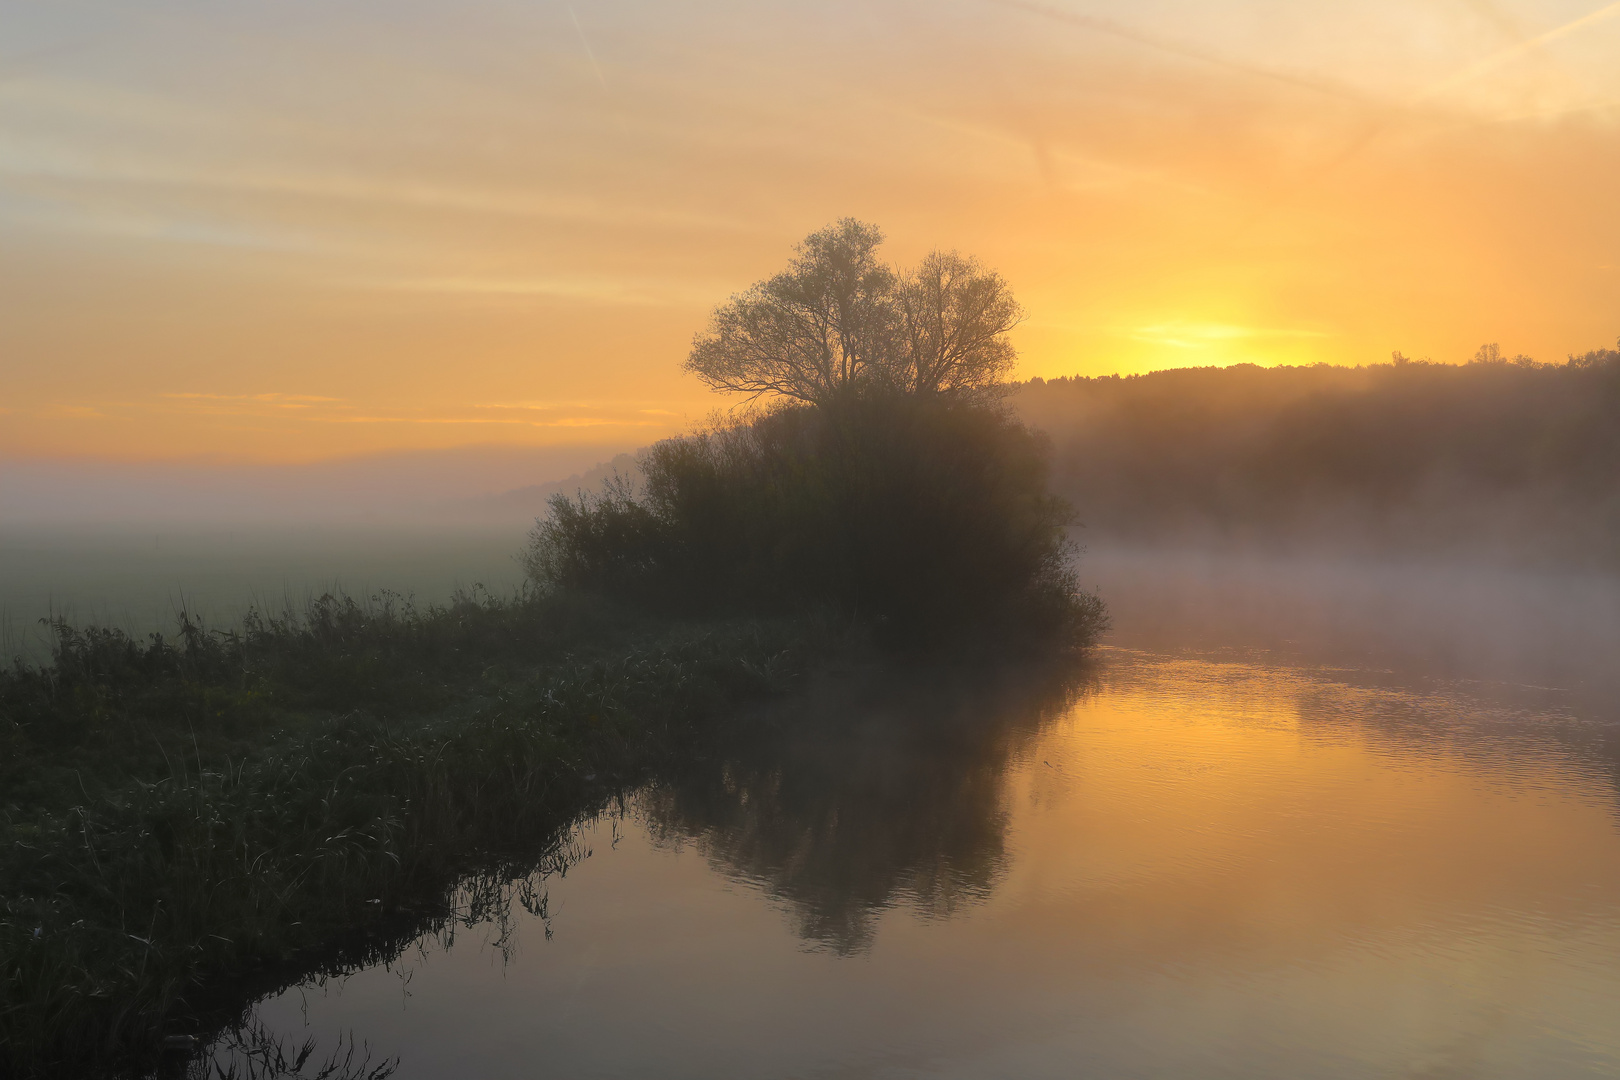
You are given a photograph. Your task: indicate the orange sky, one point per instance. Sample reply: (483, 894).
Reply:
(292, 231)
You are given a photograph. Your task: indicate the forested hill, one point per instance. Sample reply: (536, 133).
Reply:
(1514, 456)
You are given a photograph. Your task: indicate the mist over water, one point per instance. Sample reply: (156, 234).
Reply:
(1413, 616)
(1322, 805)
(1303, 816)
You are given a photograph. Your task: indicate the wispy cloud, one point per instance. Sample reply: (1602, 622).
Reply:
(43, 206)
(1184, 49)
(656, 292)
(52, 151)
(282, 409)
(590, 53)
(431, 197)
(1502, 57)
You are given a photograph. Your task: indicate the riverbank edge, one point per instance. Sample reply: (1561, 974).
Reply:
(159, 909)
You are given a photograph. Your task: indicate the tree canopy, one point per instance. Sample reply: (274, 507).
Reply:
(838, 323)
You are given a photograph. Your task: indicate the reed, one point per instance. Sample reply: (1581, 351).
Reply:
(191, 821)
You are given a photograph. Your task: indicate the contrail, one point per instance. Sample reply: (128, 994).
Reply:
(587, 45)
(1383, 113)
(1512, 52)
(1111, 28)
(1380, 123)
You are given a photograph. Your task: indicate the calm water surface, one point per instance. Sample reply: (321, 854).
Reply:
(1217, 858)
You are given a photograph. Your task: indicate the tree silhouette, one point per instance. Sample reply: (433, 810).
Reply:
(838, 323)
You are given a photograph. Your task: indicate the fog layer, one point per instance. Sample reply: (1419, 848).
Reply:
(1509, 460)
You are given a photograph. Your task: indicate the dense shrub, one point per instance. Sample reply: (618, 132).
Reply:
(928, 516)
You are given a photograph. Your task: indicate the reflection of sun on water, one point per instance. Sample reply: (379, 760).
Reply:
(1226, 788)
(1245, 831)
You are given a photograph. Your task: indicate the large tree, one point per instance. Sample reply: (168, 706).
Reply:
(838, 322)
(813, 332)
(954, 320)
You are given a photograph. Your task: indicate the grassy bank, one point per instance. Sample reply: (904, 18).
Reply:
(188, 822)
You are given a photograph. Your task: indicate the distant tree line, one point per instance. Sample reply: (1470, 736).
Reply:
(1410, 453)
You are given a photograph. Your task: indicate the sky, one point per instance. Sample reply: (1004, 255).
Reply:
(288, 232)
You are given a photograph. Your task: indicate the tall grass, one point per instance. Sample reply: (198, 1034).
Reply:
(185, 818)
(927, 517)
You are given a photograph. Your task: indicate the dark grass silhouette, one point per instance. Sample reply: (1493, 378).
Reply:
(189, 822)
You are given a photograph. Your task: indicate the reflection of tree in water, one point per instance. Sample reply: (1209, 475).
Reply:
(862, 796)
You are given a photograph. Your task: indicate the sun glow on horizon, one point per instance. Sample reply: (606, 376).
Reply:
(304, 231)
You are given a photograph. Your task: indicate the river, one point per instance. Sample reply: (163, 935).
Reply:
(1295, 818)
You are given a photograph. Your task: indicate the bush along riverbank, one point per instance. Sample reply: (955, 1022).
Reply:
(185, 820)
(928, 520)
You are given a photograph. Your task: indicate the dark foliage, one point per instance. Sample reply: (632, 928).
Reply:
(926, 516)
(839, 323)
(187, 823)
(1513, 453)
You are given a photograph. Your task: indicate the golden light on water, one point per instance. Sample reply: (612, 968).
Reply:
(291, 231)
(1312, 871)
(1283, 805)
(1200, 867)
